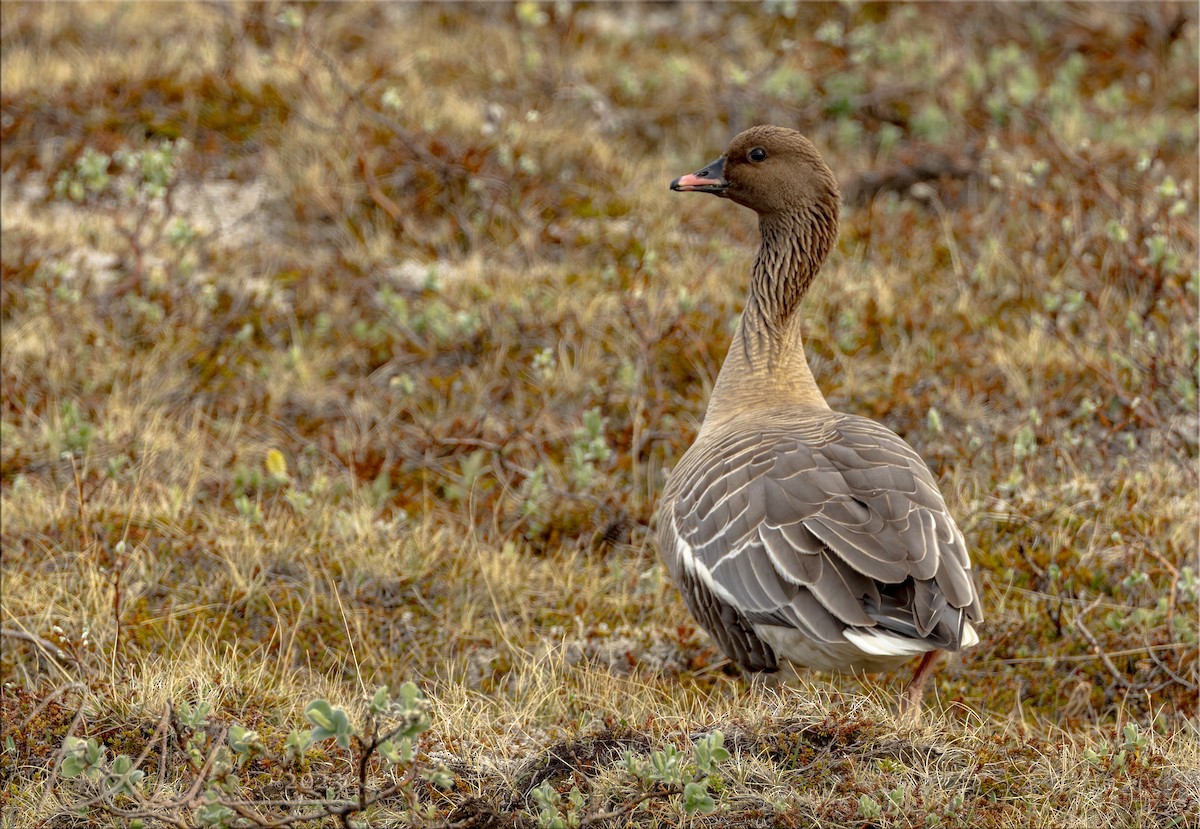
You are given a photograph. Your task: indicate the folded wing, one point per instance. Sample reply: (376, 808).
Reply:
(836, 530)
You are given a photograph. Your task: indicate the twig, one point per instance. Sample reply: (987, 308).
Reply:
(86, 536)
(1170, 568)
(46, 700)
(162, 753)
(189, 797)
(624, 809)
(356, 95)
(374, 190)
(155, 813)
(62, 749)
(1191, 686)
(1085, 657)
(1077, 622)
(164, 722)
(52, 650)
(1142, 407)
(901, 179)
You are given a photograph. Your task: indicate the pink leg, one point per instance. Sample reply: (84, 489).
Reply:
(910, 702)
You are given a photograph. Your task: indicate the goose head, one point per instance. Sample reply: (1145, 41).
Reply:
(771, 170)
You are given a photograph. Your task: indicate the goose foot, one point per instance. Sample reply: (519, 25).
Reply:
(910, 700)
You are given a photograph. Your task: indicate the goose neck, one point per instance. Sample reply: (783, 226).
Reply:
(766, 364)
(793, 247)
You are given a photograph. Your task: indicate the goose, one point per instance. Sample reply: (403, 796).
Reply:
(792, 531)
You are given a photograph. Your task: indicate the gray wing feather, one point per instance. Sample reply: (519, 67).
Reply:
(819, 529)
(730, 627)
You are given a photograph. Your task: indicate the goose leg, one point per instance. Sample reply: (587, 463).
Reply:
(910, 702)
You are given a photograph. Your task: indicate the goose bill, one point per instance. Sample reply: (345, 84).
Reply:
(709, 180)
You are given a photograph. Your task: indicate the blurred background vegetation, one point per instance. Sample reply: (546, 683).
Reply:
(347, 344)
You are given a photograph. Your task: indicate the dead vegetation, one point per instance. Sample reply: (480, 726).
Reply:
(377, 378)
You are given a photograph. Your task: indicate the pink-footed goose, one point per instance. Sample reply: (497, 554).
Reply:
(794, 531)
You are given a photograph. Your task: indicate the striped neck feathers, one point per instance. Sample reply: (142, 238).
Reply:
(794, 246)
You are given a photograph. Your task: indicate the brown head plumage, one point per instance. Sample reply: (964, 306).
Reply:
(771, 170)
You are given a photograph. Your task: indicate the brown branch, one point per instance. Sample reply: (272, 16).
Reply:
(1077, 623)
(932, 166)
(62, 749)
(356, 96)
(1163, 666)
(156, 814)
(374, 190)
(189, 798)
(57, 692)
(85, 536)
(625, 808)
(52, 650)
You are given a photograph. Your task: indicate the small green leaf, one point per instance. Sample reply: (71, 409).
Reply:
(320, 713)
(413, 707)
(697, 799)
(380, 703)
(387, 750)
(194, 718)
(443, 779)
(243, 741)
(123, 778)
(545, 795)
(710, 752)
(291, 18)
(665, 765)
(933, 420)
(82, 757)
(296, 744)
(72, 767)
(329, 722)
(214, 813)
(1133, 738)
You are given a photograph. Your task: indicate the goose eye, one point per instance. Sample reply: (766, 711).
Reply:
(757, 154)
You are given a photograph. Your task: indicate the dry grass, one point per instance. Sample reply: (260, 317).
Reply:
(430, 240)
